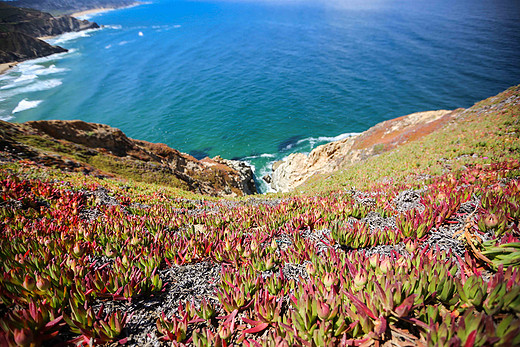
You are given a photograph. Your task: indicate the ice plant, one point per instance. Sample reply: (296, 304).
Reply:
(32, 326)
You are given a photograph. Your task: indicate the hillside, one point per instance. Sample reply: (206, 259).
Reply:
(417, 245)
(101, 150)
(15, 47)
(20, 29)
(60, 7)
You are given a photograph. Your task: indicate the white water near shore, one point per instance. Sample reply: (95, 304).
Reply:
(36, 75)
(18, 84)
(26, 105)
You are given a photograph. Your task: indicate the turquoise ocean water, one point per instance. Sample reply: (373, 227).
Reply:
(258, 80)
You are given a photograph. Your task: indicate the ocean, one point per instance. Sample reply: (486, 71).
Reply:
(258, 80)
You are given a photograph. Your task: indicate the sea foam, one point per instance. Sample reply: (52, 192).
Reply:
(25, 78)
(264, 155)
(33, 87)
(114, 27)
(26, 105)
(314, 140)
(67, 37)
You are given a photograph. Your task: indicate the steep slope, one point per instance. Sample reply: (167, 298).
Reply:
(100, 150)
(38, 24)
(16, 46)
(20, 29)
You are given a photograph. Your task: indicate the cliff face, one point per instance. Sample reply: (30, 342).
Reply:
(18, 47)
(324, 159)
(102, 150)
(20, 29)
(37, 24)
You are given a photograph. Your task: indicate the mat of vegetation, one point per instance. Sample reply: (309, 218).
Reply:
(413, 257)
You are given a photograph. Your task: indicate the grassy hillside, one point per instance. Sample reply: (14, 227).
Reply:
(417, 246)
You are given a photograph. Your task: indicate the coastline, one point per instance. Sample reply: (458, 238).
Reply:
(4, 67)
(7, 66)
(102, 10)
(92, 11)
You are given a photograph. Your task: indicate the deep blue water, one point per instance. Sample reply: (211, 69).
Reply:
(259, 80)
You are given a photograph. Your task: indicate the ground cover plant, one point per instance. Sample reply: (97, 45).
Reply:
(427, 258)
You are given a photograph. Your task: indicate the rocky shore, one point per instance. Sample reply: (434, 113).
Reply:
(333, 156)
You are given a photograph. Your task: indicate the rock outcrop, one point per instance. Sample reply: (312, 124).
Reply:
(19, 47)
(99, 149)
(20, 29)
(247, 184)
(324, 159)
(38, 24)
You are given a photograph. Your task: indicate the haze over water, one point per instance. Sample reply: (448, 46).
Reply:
(257, 80)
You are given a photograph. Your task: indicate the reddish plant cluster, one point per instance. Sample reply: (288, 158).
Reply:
(60, 269)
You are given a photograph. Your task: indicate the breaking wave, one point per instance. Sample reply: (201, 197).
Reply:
(26, 105)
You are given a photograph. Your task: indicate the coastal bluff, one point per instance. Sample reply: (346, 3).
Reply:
(104, 151)
(328, 158)
(21, 28)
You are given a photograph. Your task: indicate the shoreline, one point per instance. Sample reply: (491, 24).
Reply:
(92, 11)
(103, 10)
(4, 67)
(7, 66)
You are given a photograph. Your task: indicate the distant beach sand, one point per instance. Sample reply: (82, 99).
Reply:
(7, 66)
(92, 11)
(103, 9)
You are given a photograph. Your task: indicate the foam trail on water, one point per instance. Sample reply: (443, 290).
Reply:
(34, 87)
(26, 105)
(114, 27)
(314, 140)
(264, 155)
(24, 78)
(31, 72)
(64, 38)
(265, 170)
(49, 70)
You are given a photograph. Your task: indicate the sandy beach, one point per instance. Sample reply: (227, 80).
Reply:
(6, 66)
(92, 11)
(102, 9)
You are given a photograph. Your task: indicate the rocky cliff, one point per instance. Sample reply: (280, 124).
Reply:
(324, 159)
(20, 29)
(19, 47)
(106, 151)
(38, 24)
(70, 6)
